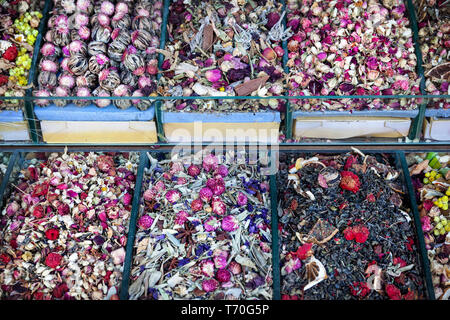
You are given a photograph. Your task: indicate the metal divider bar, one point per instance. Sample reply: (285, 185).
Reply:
(275, 242)
(143, 163)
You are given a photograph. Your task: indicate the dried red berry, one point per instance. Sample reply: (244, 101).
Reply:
(359, 289)
(350, 181)
(11, 53)
(349, 234)
(393, 292)
(361, 233)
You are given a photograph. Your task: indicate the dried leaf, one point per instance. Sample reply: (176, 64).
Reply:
(248, 87)
(208, 37)
(417, 169)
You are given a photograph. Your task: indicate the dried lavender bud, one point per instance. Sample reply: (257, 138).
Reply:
(47, 79)
(97, 47)
(77, 64)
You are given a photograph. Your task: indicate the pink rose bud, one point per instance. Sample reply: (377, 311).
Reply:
(102, 216)
(223, 275)
(211, 224)
(210, 162)
(213, 75)
(123, 241)
(118, 256)
(181, 180)
(197, 205)
(279, 51)
(173, 196)
(211, 183)
(210, 285)
(241, 199)
(220, 260)
(181, 217)
(145, 222)
(193, 170)
(207, 267)
(127, 199)
(206, 194)
(222, 170)
(149, 194)
(269, 54)
(160, 186)
(235, 267)
(218, 206)
(230, 223)
(12, 208)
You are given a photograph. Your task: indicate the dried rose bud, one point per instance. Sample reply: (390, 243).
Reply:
(150, 194)
(206, 194)
(223, 275)
(207, 267)
(211, 224)
(218, 206)
(197, 205)
(145, 222)
(118, 256)
(213, 75)
(53, 260)
(173, 196)
(193, 170)
(181, 217)
(210, 162)
(210, 285)
(230, 223)
(12, 208)
(235, 267)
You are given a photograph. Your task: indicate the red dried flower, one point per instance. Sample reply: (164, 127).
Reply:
(4, 258)
(393, 292)
(11, 53)
(361, 233)
(428, 204)
(53, 260)
(288, 297)
(349, 234)
(411, 295)
(359, 289)
(105, 163)
(350, 181)
(40, 189)
(350, 161)
(370, 197)
(60, 290)
(400, 261)
(38, 295)
(3, 80)
(294, 205)
(410, 244)
(52, 234)
(304, 251)
(38, 211)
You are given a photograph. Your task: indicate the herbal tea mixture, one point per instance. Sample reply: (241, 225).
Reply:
(431, 179)
(224, 48)
(434, 37)
(345, 229)
(63, 229)
(350, 47)
(203, 232)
